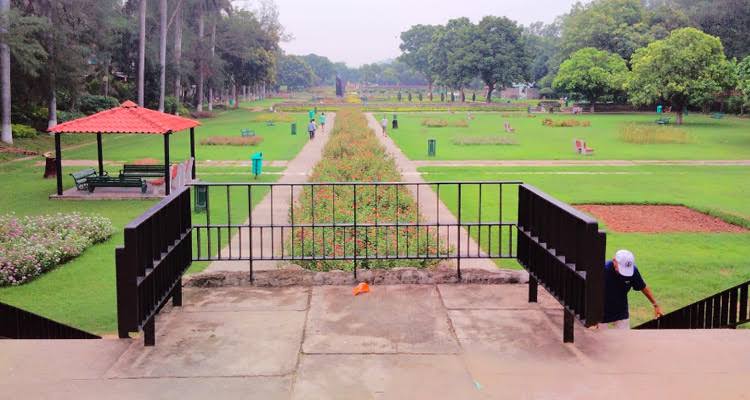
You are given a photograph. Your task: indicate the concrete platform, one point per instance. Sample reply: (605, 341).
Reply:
(396, 342)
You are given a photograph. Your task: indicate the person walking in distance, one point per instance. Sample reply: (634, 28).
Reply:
(620, 275)
(322, 121)
(384, 125)
(311, 129)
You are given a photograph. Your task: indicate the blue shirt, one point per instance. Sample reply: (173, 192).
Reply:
(616, 288)
(311, 127)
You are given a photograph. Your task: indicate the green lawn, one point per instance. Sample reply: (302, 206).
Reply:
(278, 143)
(708, 138)
(680, 267)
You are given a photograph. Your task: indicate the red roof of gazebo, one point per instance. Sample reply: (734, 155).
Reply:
(127, 118)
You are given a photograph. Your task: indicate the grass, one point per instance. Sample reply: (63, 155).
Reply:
(710, 139)
(680, 267)
(484, 140)
(642, 134)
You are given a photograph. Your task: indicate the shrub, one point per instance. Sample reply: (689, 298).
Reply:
(32, 245)
(91, 104)
(484, 140)
(202, 114)
(642, 134)
(171, 105)
(232, 141)
(22, 131)
(568, 123)
(65, 116)
(272, 117)
(441, 123)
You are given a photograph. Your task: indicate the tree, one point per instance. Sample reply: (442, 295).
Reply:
(294, 73)
(743, 80)
(500, 53)
(591, 73)
(450, 54)
(682, 69)
(142, 8)
(415, 46)
(727, 19)
(6, 135)
(322, 67)
(162, 52)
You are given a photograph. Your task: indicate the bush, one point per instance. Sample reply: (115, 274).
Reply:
(568, 123)
(91, 104)
(441, 123)
(22, 131)
(32, 245)
(202, 114)
(171, 105)
(485, 140)
(642, 134)
(232, 141)
(65, 116)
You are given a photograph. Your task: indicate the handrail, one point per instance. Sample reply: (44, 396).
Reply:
(16, 323)
(726, 309)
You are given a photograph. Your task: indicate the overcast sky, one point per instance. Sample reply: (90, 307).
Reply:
(365, 31)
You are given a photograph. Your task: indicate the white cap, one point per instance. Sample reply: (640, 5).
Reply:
(625, 262)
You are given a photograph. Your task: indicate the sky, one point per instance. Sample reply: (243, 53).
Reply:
(365, 31)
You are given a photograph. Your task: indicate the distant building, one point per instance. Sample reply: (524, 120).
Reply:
(520, 91)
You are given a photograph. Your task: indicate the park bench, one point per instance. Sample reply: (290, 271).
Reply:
(247, 132)
(107, 181)
(717, 115)
(82, 177)
(663, 120)
(581, 148)
(142, 171)
(508, 128)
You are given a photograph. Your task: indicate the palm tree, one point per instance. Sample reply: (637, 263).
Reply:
(7, 134)
(178, 51)
(162, 53)
(142, 49)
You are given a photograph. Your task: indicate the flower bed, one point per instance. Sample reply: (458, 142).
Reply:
(353, 154)
(441, 123)
(32, 245)
(232, 141)
(568, 123)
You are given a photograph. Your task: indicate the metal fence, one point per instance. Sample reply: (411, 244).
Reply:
(363, 223)
(157, 252)
(564, 251)
(726, 309)
(16, 323)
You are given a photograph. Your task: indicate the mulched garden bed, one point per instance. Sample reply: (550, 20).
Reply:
(657, 219)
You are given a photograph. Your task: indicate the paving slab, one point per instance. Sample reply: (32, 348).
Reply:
(389, 319)
(251, 388)
(383, 377)
(493, 297)
(218, 343)
(245, 298)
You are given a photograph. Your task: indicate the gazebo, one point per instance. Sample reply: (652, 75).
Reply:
(128, 118)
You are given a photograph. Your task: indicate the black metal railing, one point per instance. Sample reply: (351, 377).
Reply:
(361, 222)
(564, 251)
(724, 310)
(16, 323)
(157, 252)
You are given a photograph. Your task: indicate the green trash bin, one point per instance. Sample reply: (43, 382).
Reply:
(431, 147)
(201, 198)
(257, 161)
(294, 128)
(394, 124)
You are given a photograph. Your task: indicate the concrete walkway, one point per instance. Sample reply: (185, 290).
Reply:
(575, 163)
(429, 205)
(274, 208)
(396, 342)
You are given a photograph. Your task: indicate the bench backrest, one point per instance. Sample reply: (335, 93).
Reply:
(83, 174)
(148, 168)
(578, 144)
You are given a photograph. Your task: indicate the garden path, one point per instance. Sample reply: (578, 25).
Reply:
(277, 211)
(573, 163)
(429, 204)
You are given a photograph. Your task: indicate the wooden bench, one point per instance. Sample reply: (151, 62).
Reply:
(81, 178)
(107, 181)
(582, 148)
(247, 132)
(142, 171)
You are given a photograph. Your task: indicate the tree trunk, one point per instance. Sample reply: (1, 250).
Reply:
(463, 95)
(142, 50)
(201, 63)
(213, 54)
(162, 53)
(592, 105)
(106, 76)
(679, 113)
(234, 96)
(490, 88)
(7, 135)
(178, 53)
(52, 105)
(51, 55)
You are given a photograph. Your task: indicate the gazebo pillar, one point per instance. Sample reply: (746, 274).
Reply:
(58, 164)
(192, 151)
(99, 153)
(167, 175)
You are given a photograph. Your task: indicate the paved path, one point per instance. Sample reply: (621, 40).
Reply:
(274, 209)
(574, 163)
(429, 205)
(396, 342)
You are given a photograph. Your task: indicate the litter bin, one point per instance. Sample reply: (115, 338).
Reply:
(257, 159)
(50, 166)
(201, 198)
(431, 147)
(294, 128)
(395, 121)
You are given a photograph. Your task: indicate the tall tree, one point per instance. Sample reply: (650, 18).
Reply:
(682, 69)
(162, 52)
(591, 73)
(178, 51)
(743, 81)
(142, 10)
(500, 52)
(415, 46)
(451, 56)
(6, 135)
(294, 73)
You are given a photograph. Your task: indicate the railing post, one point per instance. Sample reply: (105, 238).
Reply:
(533, 288)
(568, 327)
(177, 295)
(126, 302)
(149, 332)
(458, 232)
